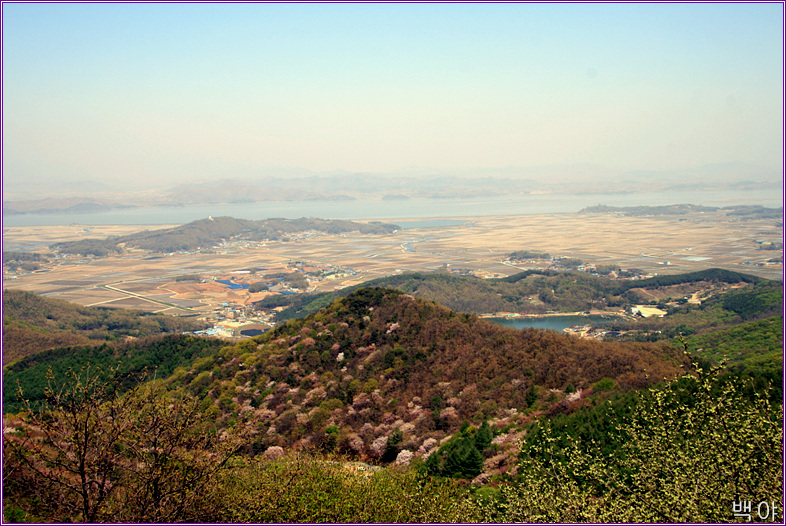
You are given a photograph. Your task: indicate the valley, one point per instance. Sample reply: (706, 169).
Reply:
(479, 246)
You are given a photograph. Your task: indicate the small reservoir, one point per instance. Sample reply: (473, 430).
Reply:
(551, 323)
(232, 285)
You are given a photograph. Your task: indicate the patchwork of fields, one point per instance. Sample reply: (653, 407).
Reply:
(662, 245)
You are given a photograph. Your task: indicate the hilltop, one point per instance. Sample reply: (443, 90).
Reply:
(379, 360)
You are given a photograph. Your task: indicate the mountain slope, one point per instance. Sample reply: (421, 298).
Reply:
(378, 360)
(33, 323)
(528, 292)
(156, 356)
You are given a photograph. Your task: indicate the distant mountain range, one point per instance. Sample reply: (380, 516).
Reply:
(66, 205)
(528, 292)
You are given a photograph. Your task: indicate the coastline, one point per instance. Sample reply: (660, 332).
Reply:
(424, 208)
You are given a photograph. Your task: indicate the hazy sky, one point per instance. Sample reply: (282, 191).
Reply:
(160, 91)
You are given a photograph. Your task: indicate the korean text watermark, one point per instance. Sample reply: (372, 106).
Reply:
(765, 511)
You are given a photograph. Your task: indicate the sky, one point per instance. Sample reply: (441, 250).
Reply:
(173, 92)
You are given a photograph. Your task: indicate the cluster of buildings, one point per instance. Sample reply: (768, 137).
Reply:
(233, 320)
(588, 331)
(647, 311)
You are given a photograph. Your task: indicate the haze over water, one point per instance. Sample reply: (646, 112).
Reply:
(398, 209)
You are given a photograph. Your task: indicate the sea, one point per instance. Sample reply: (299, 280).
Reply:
(400, 210)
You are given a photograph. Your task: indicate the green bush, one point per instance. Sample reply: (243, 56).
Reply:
(606, 384)
(688, 451)
(308, 489)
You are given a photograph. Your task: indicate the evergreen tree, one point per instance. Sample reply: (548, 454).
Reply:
(483, 437)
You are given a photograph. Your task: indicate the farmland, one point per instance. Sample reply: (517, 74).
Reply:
(143, 280)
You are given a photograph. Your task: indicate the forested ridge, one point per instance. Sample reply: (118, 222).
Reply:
(529, 292)
(206, 233)
(153, 356)
(538, 292)
(346, 363)
(427, 394)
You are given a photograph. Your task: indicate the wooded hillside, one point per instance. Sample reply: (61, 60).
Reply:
(33, 323)
(379, 359)
(206, 233)
(536, 292)
(151, 357)
(401, 382)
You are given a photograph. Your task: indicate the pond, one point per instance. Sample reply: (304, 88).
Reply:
(552, 323)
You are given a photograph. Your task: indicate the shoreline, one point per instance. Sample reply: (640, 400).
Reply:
(518, 315)
(421, 208)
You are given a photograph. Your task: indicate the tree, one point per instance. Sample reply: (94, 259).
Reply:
(259, 286)
(91, 454)
(483, 437)
(462, 460)
(689, 450)
(393, 445)
(458, 457)
(531, 397)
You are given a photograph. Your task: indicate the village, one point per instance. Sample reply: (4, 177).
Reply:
(241, 318)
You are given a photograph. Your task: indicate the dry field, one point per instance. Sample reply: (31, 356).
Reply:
(144, 281)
